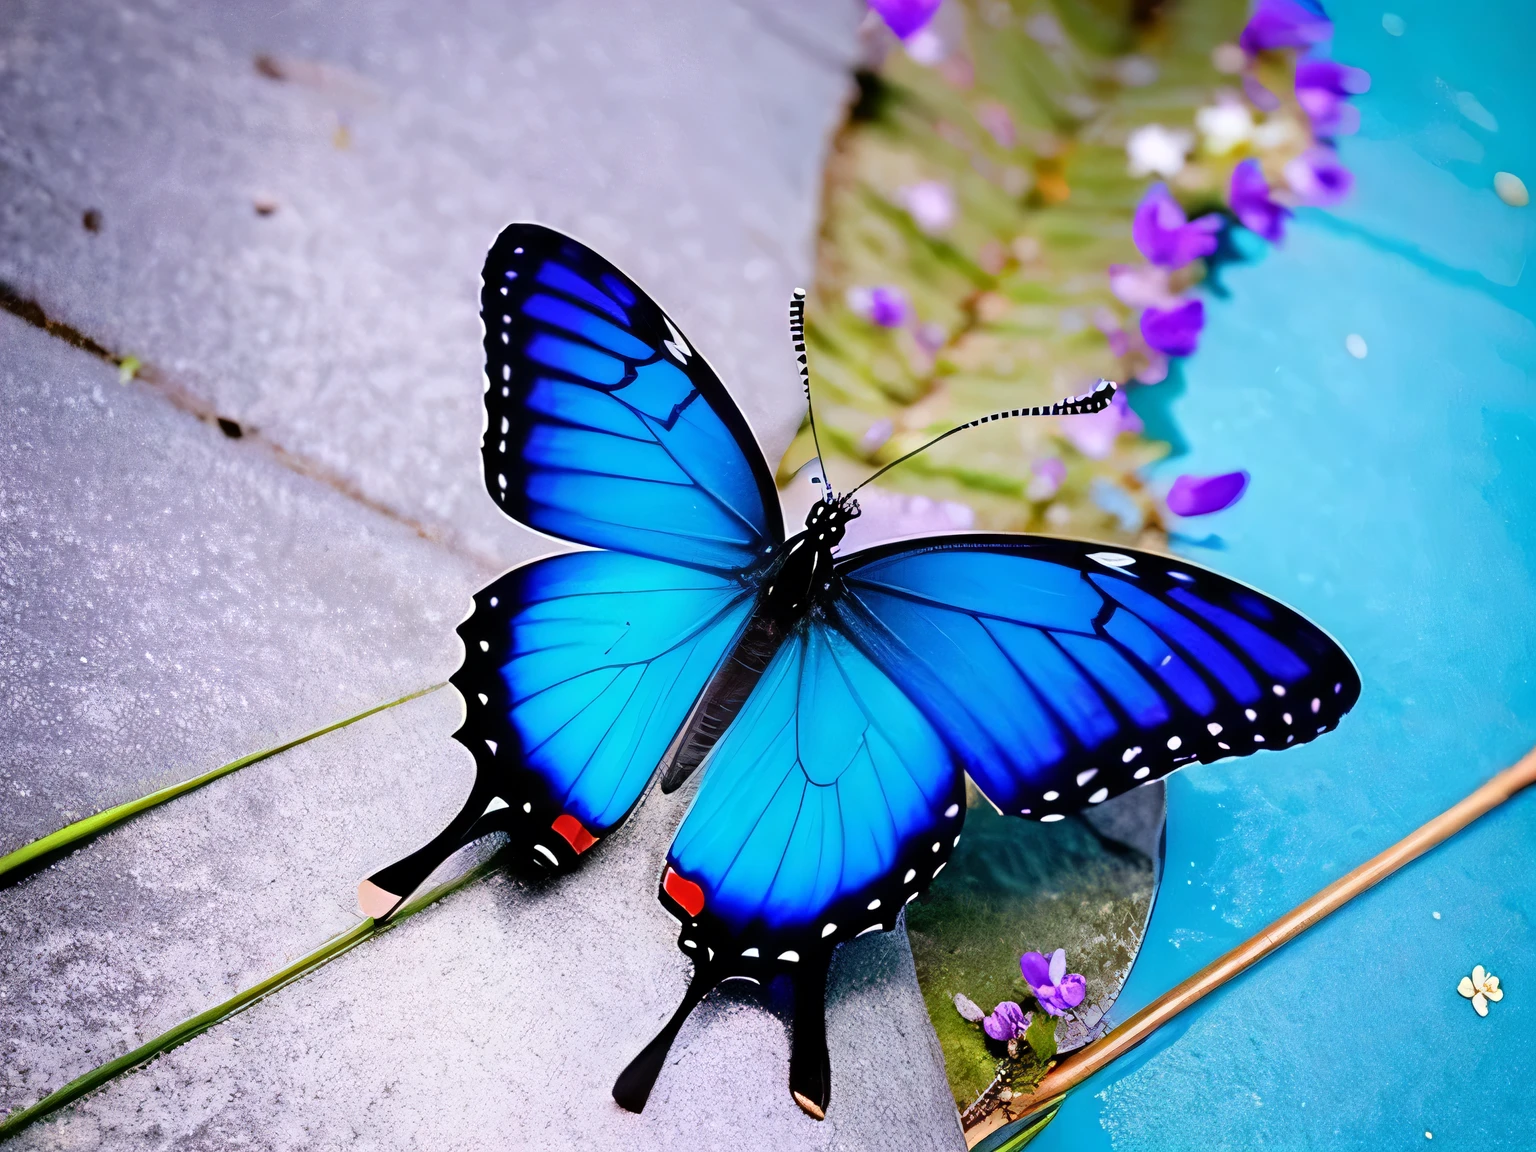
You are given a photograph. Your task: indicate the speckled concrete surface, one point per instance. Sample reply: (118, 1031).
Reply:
(317, 565)
(682, 139)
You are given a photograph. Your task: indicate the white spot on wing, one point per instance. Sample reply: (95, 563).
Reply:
(1051, 795)
(1112, 559)
(1141, 773)
(1052, 818)
(1099, 797)
(1086, 775)
(827, 929)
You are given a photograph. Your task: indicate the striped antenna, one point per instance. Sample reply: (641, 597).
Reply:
(1089, 402)
(797, 337)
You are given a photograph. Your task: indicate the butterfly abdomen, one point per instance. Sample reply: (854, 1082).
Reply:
(722, 699)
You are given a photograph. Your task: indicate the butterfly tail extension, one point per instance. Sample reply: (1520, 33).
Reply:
(810, 1065)
(633, 1087)
(382, 893)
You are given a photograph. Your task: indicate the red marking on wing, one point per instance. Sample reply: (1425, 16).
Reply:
(575, 834)
(684, 891)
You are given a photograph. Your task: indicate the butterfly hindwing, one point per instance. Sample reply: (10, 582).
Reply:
(1062, 673)
(578, 672)
(604, 426)
(828, 804)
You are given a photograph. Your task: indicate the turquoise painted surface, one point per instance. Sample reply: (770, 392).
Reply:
(1394, 501)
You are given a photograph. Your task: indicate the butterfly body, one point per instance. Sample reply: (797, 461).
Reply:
(834, 705)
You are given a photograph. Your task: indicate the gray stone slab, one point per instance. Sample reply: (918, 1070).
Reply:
(682, 139)
(171, 600)
(499, 1019)
(186, 905)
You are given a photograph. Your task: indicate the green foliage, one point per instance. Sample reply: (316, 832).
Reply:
(1041, 1037)
(1026, 122)
(1010, 887)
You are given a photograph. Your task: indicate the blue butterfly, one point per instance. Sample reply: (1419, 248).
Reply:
(837, 703)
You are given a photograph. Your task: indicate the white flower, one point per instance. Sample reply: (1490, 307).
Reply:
(1153, 148)
(1224, 126)
(925, 46)
(1480, 987)
(931, 204)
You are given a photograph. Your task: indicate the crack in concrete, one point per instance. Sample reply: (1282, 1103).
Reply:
(30, 311)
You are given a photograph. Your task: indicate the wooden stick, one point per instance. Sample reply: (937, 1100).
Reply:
(1083, 1063)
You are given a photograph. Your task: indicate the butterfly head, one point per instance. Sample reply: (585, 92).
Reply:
(828, 519)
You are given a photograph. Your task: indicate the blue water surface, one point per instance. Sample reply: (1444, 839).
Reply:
(1394, 501)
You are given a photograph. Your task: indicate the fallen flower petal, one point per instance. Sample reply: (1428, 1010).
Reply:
(905, 17)
(1252, 204)
(1331, 76)
(1318, 177)
(1175, 331)
(1285, 24)
(1202, 495)
(968, 1008)
(1166, 236)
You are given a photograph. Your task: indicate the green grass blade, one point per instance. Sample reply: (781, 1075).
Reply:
(203, 1021)
(95, 825)
(1010, 1137)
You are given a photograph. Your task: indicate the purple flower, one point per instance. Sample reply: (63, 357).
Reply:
(1285, 24)
(905, 17)
(1094, 435)
(1251, 202)
(1323, 88)
(888, 307)
(1202, 495)
(1166, 236)
(1047, 479)
(1318, 177)
(884, 304)
(1175, 331)
(1007, 1022)
(1057, 989)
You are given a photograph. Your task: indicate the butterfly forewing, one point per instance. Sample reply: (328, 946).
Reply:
(1062, 673)
(604, 426)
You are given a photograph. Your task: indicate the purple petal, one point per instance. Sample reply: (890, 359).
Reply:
(1006, 1022)
(1252, 204)
(1263, 99)
(1058, 965)
(888, 307)
(1330, 114)
(1202, 495)
(1036, 969)
(1072, 988)
(1050, 999)
(1141, 285)
(1284, 24)
(1164, 234)
(1318, 177)
(1331, 76)
(905, 16)
(1175, 331)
